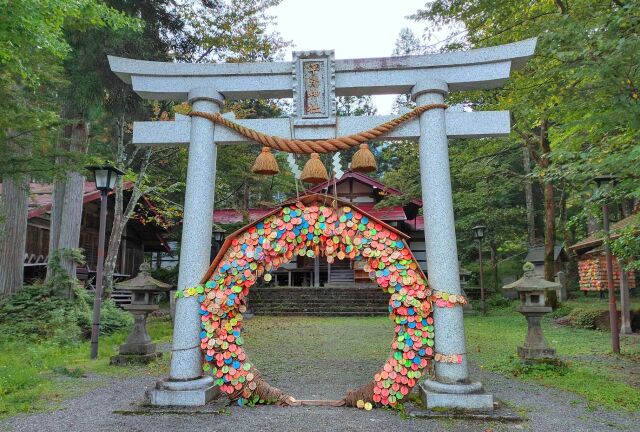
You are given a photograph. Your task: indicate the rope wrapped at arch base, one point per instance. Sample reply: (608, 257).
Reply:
(316, 146)
(310, 229)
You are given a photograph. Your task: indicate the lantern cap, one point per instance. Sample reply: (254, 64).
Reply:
(94, 168)
(143, 281)
(530, 281)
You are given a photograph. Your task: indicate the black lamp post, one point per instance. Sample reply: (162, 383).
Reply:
(105, 178)
(602, 181)
(478, 234)
(218, 239)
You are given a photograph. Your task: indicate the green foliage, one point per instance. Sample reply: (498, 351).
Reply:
(581, 86)
(40, 312)
(497, 300)
(33, 48)
(547, 368)
(167, 275)
(586, 319)
(627, 245)
(59, 278)
(46, 311)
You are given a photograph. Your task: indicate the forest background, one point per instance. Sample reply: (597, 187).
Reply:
(575, 114)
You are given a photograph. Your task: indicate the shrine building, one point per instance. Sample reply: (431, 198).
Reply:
(364, 192)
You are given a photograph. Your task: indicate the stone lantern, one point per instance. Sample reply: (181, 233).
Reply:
(138, 348)
(531, 290)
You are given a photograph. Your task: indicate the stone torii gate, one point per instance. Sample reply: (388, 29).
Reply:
(313, 79)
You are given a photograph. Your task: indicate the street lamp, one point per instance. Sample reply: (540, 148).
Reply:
(478, 234)
(602, 181)
(218, 239)
(218, 235)
(105, 178)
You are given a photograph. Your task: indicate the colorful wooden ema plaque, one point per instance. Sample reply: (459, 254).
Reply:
(313, 226)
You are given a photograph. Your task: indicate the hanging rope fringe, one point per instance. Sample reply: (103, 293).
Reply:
(316, 146)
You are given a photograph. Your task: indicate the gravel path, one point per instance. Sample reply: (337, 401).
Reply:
(546, 409)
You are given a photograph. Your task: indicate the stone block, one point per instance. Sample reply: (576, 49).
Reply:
(127, 359)
(468, 397)
(137, 348)
(527, 353)
(198, 397)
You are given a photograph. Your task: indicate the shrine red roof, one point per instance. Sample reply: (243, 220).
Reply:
(394, 213)
(307, 199)
(356, 176)
(41, 196)
(595, 240)
(230, 216)
(418, 224)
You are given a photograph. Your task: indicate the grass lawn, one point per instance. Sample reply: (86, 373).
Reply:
(33, 376)
(590, 370)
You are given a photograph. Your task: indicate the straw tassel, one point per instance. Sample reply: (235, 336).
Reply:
(314, 171)
(265, 163)
(363, 160)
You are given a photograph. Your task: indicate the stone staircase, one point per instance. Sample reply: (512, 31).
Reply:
(326, 301)
(341, 278)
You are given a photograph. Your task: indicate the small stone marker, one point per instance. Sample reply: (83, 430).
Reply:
(138, 348)
(531, 289)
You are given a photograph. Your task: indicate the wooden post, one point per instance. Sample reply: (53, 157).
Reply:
(613, 310)
(625, 313)
(95, 327)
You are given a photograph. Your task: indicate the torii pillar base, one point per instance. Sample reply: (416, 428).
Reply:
(468, 397)
(183, 393)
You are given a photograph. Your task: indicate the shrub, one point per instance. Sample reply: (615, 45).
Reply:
(39, 312)
(498, 300)
(585, 318)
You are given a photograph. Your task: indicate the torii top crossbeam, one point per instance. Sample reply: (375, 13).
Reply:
(483, 68)
(469, 70)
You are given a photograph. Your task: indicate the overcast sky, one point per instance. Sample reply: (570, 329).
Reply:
(353, 28)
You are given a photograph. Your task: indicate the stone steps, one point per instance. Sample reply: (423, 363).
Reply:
(324, 301)
(324, 313)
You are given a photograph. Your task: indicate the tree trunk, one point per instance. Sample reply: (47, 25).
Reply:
(494, 266)
(120, 215)
(118, 225)
(549, 213)
(528, 195)
(57, 198)
(70, 215)
(245, 195)
(14, 206)
(120, 219)
(57, 204)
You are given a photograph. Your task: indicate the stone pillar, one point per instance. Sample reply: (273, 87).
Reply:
(625, 311)
(451, 387)
(186, 385)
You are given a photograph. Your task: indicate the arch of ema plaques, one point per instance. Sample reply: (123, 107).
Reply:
(428, 78)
